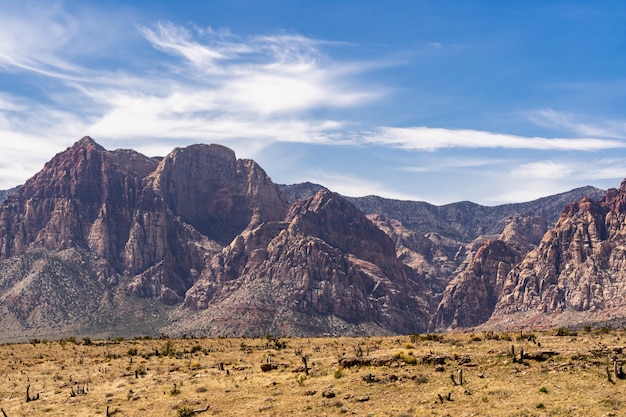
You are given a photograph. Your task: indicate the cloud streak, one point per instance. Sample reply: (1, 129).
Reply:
(432, 139)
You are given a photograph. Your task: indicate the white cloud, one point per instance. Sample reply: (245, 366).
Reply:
(543, 169)
(353, 186)
(599, 169)
(578, 124)
(430, 139)
(444, 163)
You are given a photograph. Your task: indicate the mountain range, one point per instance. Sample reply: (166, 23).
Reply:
(104, 243)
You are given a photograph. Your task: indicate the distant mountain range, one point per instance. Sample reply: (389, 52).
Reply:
(105, 243)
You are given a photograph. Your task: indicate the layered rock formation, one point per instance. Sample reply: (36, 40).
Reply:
(116, 229)
(471, 296)
(200, 242)
(326, 269)
(577, 274)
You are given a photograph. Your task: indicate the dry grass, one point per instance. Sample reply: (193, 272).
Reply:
(393, 376)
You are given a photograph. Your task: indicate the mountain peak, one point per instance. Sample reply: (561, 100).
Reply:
(88, 142)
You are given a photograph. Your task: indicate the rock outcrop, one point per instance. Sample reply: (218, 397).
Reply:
(471, 296)
(200, 242)
(326, 261)
(84, 197)
(197, 199)
(577, 274)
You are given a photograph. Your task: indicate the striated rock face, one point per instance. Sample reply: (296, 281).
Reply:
(577, 273)
(145, 226)
(197, 199)
(202, 242)
(471, 296)
(431, 255)
(326, 262)
(84, 197)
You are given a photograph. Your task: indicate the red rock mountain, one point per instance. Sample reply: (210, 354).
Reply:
(105, 243)
(471, 296)
(90, 240)
(577, 274)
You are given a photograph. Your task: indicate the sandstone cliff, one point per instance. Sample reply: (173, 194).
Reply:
(325, 269)
(113, 242)
(471, 296)
(577, 273)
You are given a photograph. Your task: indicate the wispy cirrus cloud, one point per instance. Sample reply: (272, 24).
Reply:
(579, 124)
(431, 139)
(597, 169)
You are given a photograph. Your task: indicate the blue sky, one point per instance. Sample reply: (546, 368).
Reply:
(441, 101)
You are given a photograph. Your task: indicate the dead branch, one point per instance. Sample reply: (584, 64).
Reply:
(201, 410)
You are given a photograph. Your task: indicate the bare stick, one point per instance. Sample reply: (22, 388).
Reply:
(306, 366)
(201, 410)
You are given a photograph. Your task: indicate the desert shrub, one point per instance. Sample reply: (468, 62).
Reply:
(141, 370)
(561, 331)
(275, 343)
(169, 349)
(432, 337)
(185, 411)
(338, 374)
(491, 336)
(300, 379)
(407, 358)
(475, 338)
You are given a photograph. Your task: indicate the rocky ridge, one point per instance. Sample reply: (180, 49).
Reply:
(576, 274)
(199, 237)
(202, 242)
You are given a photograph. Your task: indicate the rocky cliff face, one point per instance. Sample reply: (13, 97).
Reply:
(576, 274)
(113, 230)
(471, 296)
(84, 197)
(202, 242)
(197, 200)
(326, 261)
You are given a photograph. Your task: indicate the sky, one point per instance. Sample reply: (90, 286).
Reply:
(440, 101)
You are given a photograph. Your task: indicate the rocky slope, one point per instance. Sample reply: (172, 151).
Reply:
(462, 221)
(471, 296)
(325, 269)
(577, 274)
(113, 242)
(99, 237)
(4, 194)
